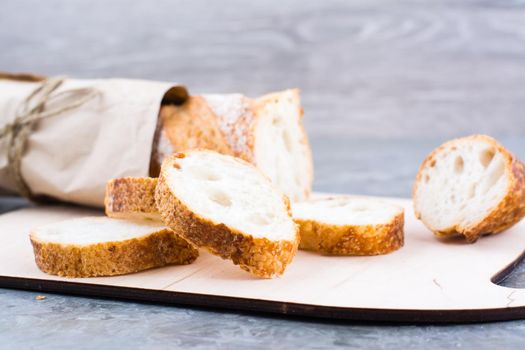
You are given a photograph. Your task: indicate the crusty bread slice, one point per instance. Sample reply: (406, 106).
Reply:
(349, 225)
(101, 246)
(470, 186)
(225, 205)
(131, 198)
(267, 132)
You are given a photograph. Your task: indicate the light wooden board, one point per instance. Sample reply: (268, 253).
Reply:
(427, 280)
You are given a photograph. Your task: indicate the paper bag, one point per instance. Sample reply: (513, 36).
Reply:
(70, 156)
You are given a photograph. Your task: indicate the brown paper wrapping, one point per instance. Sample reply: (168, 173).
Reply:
(70, 156)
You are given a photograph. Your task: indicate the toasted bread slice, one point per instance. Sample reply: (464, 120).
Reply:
(470, 186)
(267, 132)
(227, 206)
(131, 198)
(101, 246)
(349, 225)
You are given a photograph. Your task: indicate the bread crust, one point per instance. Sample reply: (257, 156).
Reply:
(196, 125)
(260, 256)
(157, 249)
(131, 198)
(351, 240)
(509, 211)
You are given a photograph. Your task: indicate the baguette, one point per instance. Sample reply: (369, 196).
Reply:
(349, 225)
(266, 132)
(470, 186)
(131, 198)
(101, 246)
(226, 206)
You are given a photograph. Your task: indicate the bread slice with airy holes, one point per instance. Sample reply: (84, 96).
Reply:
(131, 198)
(470, 186)
(267, 132)
(227, 206)
(102, 246)
(349, 225)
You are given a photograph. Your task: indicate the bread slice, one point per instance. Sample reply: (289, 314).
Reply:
(225, 205)
(281, 148)
(267, 132)
(470, 186)
(131, 198)
(101, 246)
(349, 225)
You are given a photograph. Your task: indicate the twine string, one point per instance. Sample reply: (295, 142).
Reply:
(40, 104)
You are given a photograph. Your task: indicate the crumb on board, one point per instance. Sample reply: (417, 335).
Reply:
(40, 297)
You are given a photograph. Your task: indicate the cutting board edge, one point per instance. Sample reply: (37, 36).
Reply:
(267, 307)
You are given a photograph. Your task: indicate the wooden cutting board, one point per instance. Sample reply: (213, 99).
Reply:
(428, 280)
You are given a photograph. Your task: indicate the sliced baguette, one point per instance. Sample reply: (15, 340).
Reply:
(101, 246)
(225, 205)
(267, 132)
(281, 147)
(349, 225)
(131, 198)
(470, 186)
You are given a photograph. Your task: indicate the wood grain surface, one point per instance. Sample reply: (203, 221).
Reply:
(379, 68)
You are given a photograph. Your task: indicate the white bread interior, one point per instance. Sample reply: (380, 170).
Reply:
(227, 190)
(281, 147)
(346, 210)
(269, 133)
(94, 230)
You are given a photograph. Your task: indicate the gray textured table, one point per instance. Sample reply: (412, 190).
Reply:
(382, 83)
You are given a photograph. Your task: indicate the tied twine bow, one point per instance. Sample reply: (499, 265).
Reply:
(40, 104)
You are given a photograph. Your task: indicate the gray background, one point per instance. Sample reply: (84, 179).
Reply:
(383, 82)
